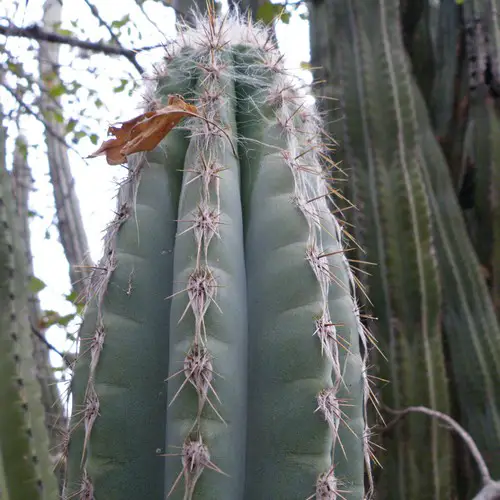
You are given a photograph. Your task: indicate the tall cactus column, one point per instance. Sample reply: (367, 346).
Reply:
(248, 310)
(384, 160)
(26, 470)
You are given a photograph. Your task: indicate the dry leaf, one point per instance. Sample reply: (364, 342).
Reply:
(144, 132)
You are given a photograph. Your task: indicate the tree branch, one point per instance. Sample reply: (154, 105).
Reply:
(35, 32)
(42, 338)
(102, 22)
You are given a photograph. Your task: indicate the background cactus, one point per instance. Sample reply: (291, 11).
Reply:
(394, 227)
(26, 467)
(405, 80)
(231, 226)
(224, 272)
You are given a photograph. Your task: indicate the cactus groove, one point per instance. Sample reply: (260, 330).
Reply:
(225, 276)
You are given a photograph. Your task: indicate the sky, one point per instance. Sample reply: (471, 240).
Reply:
(95, 180)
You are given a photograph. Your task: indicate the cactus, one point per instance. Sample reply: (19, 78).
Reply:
(224, 274)
(26, 469)
(22, 183)
(436, 321)
(393, 225)
(481, 150)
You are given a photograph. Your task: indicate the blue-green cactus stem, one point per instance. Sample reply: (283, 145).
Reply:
(251, 316)
(122, 367)
(207, 399)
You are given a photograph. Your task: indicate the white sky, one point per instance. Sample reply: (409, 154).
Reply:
(95, 179)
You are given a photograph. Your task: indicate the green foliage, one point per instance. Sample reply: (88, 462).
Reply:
(224, 275)
(269, 12)
(36, 285)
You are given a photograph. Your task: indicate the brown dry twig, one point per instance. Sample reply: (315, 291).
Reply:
(490, 488)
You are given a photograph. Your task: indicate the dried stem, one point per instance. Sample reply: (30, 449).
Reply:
(474, 450)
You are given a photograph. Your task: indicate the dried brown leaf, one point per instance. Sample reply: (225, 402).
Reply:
(144, 132)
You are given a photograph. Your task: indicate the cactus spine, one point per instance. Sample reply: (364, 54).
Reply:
(224, 273)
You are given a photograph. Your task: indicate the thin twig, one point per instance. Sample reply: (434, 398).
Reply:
(28, 109)
(146, 15)
(474, 450)
(46, 342)
(102, 22)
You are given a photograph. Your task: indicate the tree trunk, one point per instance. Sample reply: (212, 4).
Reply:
(69, 220)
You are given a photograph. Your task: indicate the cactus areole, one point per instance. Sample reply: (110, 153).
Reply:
(222, 355)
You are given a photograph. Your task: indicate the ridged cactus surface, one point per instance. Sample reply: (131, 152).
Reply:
(383, 158)
(436, 323)
(26, 470)
(223, 356)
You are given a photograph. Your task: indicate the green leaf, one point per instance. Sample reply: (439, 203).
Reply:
(94, 139)
(22, 147)
(76, 299)
(71, 297)
(36, 285)
(57, 90)
(57, 115)
(51, 318)
(71, 125)
(79, 134)
(285, 17)
(64, 320)
(121, 87)
(65, 32)
(121, 22)
(15, 68)
(268, 12)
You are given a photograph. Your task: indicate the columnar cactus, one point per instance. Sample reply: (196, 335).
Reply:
(26, 470)
(224, 274)
(436, 321)
(393, 224)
